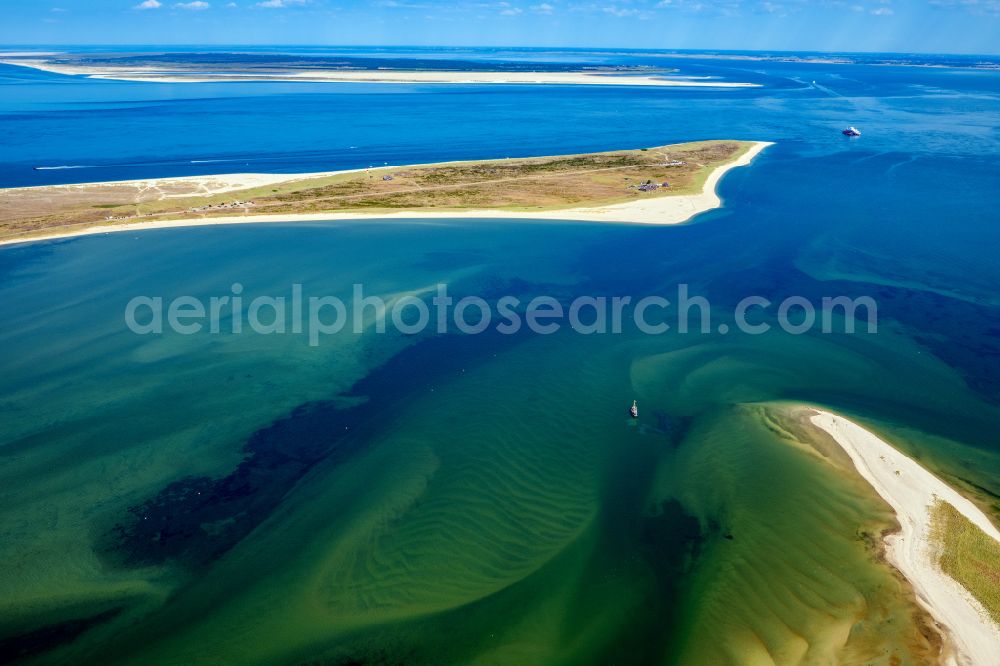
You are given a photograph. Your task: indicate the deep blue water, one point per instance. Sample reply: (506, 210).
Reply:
(120, 130)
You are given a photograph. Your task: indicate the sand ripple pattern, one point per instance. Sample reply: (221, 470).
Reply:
(502, 503)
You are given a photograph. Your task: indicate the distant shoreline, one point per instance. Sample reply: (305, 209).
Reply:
(911, 491)
(667, 210)
(166, 75)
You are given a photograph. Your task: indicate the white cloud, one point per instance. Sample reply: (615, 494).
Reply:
(620, 12)
(882, 11)
(195, 6)
(280, 4)
(58, 10)
(720, 7)
(512, 11)
(396, 4)
(148, 4)
(544, 8)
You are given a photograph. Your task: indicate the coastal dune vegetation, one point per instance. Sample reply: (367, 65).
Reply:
(968, 554)
(517, 185)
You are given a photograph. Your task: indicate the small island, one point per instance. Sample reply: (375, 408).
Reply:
(657, 185)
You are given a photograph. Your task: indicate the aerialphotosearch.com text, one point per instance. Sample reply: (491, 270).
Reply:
(324, 315)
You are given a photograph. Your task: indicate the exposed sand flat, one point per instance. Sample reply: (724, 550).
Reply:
(911, 491)
(654, 210)
(185, 186)
(165, 75)
(23, 54)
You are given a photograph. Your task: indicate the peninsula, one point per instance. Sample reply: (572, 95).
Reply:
(962, 600)
(657, 185)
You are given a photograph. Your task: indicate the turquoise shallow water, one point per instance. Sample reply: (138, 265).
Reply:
(457, 499)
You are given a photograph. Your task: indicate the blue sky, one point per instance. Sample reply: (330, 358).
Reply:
(927, 26)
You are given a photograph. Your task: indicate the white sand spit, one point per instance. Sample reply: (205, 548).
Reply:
(163, 75)
(971, 636)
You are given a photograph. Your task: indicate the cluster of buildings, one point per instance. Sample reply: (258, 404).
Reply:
(233, 204)
(649, 186)
(199, 209)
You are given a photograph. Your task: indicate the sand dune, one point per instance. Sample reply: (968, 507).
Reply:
(911, 491)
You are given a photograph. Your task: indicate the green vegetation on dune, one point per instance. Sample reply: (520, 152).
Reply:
(541, 183)
(524, 184)
(968, 555)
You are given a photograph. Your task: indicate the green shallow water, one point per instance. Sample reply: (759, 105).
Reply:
(465, 498)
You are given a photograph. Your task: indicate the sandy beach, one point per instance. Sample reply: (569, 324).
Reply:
(662, 210)
(165, 75)
(911, 490)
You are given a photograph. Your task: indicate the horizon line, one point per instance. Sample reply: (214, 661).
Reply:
(496, 46)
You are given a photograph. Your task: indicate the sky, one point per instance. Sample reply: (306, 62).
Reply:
(917, 26)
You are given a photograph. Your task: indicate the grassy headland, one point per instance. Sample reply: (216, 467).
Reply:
(521, 185)
(968, 555)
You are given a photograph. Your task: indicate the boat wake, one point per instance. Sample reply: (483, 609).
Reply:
(58, 168)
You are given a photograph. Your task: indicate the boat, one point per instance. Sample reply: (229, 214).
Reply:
(634, 410)
(851, 131)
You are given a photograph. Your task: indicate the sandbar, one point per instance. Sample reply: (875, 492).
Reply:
(911, 491)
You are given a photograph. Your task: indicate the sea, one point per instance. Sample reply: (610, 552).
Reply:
(452, 497)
